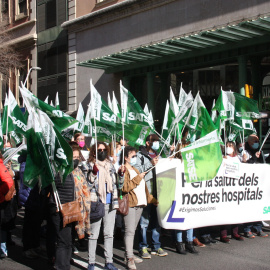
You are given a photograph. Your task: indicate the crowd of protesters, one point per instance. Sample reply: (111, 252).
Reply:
(103, 174)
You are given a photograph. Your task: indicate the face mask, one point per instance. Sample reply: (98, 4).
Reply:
(102, 155)
(229, 150)
(255, 145)
(240, 149)
(133, 161)
(75, 163)
(81, 144)
(122, 147)
(192, 139)
(155, 145)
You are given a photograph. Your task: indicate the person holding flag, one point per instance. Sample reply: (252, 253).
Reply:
(132, 182)
(147, 157)
(253, 156)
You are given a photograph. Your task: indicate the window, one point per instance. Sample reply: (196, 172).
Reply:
(51, 13)
(52, 58)
(4, 9)
(21, 9)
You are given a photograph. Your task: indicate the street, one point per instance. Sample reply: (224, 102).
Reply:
(248, 254)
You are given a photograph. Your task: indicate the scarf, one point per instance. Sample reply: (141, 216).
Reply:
(104, 178)
(82, 195)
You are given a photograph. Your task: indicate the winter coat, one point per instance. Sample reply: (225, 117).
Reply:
(6, 181)
(128, 186)
(24, 190)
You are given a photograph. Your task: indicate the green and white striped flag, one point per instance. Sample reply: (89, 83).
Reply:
(232, 105)
(60, 119)
(131, 111)
(182, 97)
(199, 118)
(100, 110)
(48, 152)
(16, 115)
(202, 158)
(38, 164)
(78, 127)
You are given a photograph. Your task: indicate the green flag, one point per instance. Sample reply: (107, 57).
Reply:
(48, 152)
(232, 105)
(131, 111)
(100, 110)
(202, 158)
(38, 164)
(16, 115)
(58, 149)
(60, 119)
(182, 97)
(199, 118)
(5, 118)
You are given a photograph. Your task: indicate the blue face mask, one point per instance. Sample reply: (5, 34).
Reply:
(255, 146)
(133, 161)
(122, 147)
(192, 139)
(240, 149)
(155, 145)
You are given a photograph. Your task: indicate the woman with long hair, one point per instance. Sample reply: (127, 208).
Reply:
(231, 154)
(102, 182)
(132, 182)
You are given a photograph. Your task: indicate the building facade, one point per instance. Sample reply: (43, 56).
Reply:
(52, 50)
(19, 17)
(153, 45)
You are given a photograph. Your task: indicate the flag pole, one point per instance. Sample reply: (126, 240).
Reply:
(225, 138)
(243, 138)
(267, 135)
(95, 134)
(189, 115)
(123, 131)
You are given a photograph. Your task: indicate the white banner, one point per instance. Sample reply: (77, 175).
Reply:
(239, 193)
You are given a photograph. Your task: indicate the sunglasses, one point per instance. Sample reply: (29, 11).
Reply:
(101, 150)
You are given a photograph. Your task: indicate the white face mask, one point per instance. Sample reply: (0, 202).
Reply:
(229, 150)
(155, 145)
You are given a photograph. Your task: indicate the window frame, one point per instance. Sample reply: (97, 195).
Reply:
(1, 10)
(19, 15)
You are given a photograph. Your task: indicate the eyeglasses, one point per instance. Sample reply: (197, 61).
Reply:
(101, 150)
